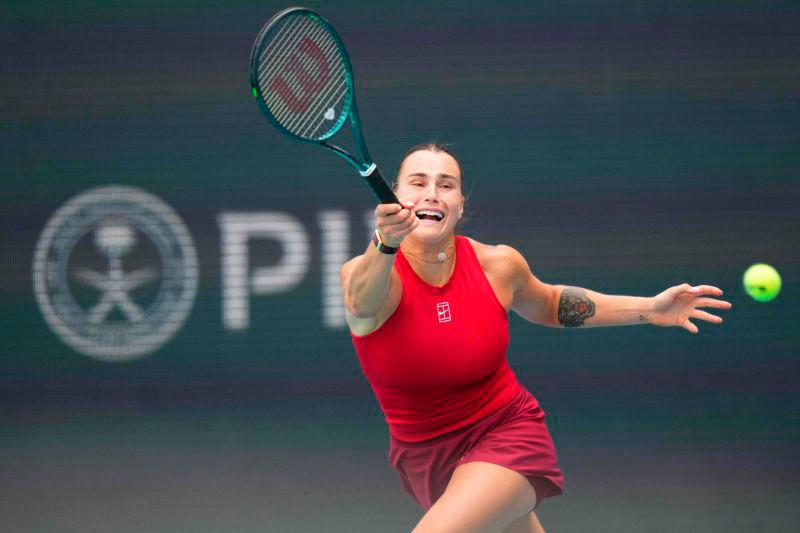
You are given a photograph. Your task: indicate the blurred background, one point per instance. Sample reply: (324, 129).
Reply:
(174, 355)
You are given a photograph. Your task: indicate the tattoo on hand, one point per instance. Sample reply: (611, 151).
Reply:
(574, 307)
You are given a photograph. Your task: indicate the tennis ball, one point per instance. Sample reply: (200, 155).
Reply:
(762, 282)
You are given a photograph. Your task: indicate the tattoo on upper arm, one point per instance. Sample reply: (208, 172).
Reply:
(574, 307)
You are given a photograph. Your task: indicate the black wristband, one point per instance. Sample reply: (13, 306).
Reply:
(376, 240)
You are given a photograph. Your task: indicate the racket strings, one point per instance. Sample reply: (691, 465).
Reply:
(306, 122)
(277, 44)
(319, 116)
(281, 50)
(303, 78)
(285, 51)
(314, 107)
(310, 123)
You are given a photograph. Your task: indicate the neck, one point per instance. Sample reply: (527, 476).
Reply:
(433, 262)
(430, 251)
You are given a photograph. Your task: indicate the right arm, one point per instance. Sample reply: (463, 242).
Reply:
(370, 286)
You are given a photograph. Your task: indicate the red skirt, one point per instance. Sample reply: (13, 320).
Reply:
(515, 437)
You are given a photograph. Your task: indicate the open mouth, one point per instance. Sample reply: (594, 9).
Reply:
(430, 214)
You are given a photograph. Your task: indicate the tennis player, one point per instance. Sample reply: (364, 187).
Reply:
(428, 313)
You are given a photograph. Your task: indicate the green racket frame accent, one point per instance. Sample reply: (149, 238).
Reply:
(366, 167)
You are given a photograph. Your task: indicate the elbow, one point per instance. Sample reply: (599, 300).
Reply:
(553, 308)
(350, 305)
(359, 311)
(353, 309)
(356, 308)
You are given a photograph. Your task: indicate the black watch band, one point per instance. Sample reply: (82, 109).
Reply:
(376, 240)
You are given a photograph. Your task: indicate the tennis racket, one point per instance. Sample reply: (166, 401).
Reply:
(301, 77)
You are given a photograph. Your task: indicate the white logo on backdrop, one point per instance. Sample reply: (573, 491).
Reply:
(115, 273)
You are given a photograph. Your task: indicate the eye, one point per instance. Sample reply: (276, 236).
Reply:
(446, 186)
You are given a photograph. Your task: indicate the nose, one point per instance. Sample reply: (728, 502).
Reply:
(432, 194)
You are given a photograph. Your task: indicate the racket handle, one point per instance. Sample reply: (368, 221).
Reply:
(379, 186)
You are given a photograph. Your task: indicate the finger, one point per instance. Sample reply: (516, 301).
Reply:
(700, 290)
(399, 235)
(385, 210)
(679, 289)
(409, 225)
(402, 222)
(689, 326)
(708, 317)
(401, 217)
(405, 208)
(693, 291)
(414, 224)
(398, 226)
(711, 302)
(685, 289)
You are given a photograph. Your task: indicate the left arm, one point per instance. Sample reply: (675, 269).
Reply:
(673, 307)
(563, 306)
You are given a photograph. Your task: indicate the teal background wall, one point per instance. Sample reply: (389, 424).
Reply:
(620, 146)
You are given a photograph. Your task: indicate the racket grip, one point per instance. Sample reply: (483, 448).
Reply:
(379, 186)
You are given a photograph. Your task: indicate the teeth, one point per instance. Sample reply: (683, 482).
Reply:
(438, 215)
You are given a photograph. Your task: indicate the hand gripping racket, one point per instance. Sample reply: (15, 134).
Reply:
(301, 77)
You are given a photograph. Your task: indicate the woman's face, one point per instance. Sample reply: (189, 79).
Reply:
(432, 180)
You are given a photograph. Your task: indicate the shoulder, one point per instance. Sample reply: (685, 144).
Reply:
(500, 260)
(497, 255)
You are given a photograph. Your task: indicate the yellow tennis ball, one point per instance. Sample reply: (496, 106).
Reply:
(762, 282)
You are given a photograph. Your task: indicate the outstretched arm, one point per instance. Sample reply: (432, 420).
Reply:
(673, 307)
(563, 306)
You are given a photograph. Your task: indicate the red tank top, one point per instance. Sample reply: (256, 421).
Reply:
(439, 362)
